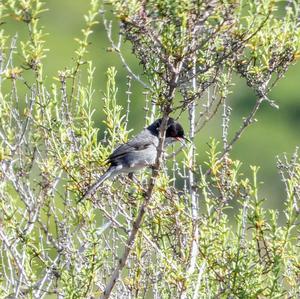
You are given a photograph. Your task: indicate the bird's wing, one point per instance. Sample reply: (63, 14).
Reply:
(136, 144)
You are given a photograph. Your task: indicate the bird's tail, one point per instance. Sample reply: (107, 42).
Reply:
(109, 173)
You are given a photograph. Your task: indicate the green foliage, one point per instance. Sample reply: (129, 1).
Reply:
(115, 120)
(190, 242)
(246, 38)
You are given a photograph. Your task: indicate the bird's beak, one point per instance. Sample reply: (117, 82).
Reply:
(183, 140)
(187, 140)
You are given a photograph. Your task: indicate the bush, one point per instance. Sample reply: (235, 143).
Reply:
(167, 234)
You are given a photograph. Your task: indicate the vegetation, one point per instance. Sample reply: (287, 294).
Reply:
(168, 234)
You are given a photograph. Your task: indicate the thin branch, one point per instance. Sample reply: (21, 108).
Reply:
(117, 49)
(142, 210)
(249, 120)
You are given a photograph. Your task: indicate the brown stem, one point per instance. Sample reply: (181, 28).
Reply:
(239, 133)
(147, 197)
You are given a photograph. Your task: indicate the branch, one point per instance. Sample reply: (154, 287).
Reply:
(192, 192)
(239, 133)
(147, 198)
(117, 49)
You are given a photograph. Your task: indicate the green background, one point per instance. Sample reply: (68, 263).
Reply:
(275, 133)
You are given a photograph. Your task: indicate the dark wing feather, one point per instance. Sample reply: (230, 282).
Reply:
(135, 144)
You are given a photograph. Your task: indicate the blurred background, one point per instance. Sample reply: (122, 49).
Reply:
(275, 133)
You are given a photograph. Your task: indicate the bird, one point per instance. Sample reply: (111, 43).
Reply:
(139, 152)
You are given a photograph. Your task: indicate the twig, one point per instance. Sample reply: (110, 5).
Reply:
(116, 48)
(192, 192)
(239, 133)
(138, 221)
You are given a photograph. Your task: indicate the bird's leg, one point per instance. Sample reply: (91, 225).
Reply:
(132, 177)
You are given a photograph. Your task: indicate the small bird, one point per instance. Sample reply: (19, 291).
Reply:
(139, 152)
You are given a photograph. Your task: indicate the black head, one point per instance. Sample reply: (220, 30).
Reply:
(174, 129)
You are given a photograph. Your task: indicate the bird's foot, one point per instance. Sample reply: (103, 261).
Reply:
(133, 178)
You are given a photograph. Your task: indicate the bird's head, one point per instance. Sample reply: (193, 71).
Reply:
(174, 130)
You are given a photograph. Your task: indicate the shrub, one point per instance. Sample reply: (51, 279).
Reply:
(168, 234)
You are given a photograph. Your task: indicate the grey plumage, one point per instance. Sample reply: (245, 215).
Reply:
(137, 153)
